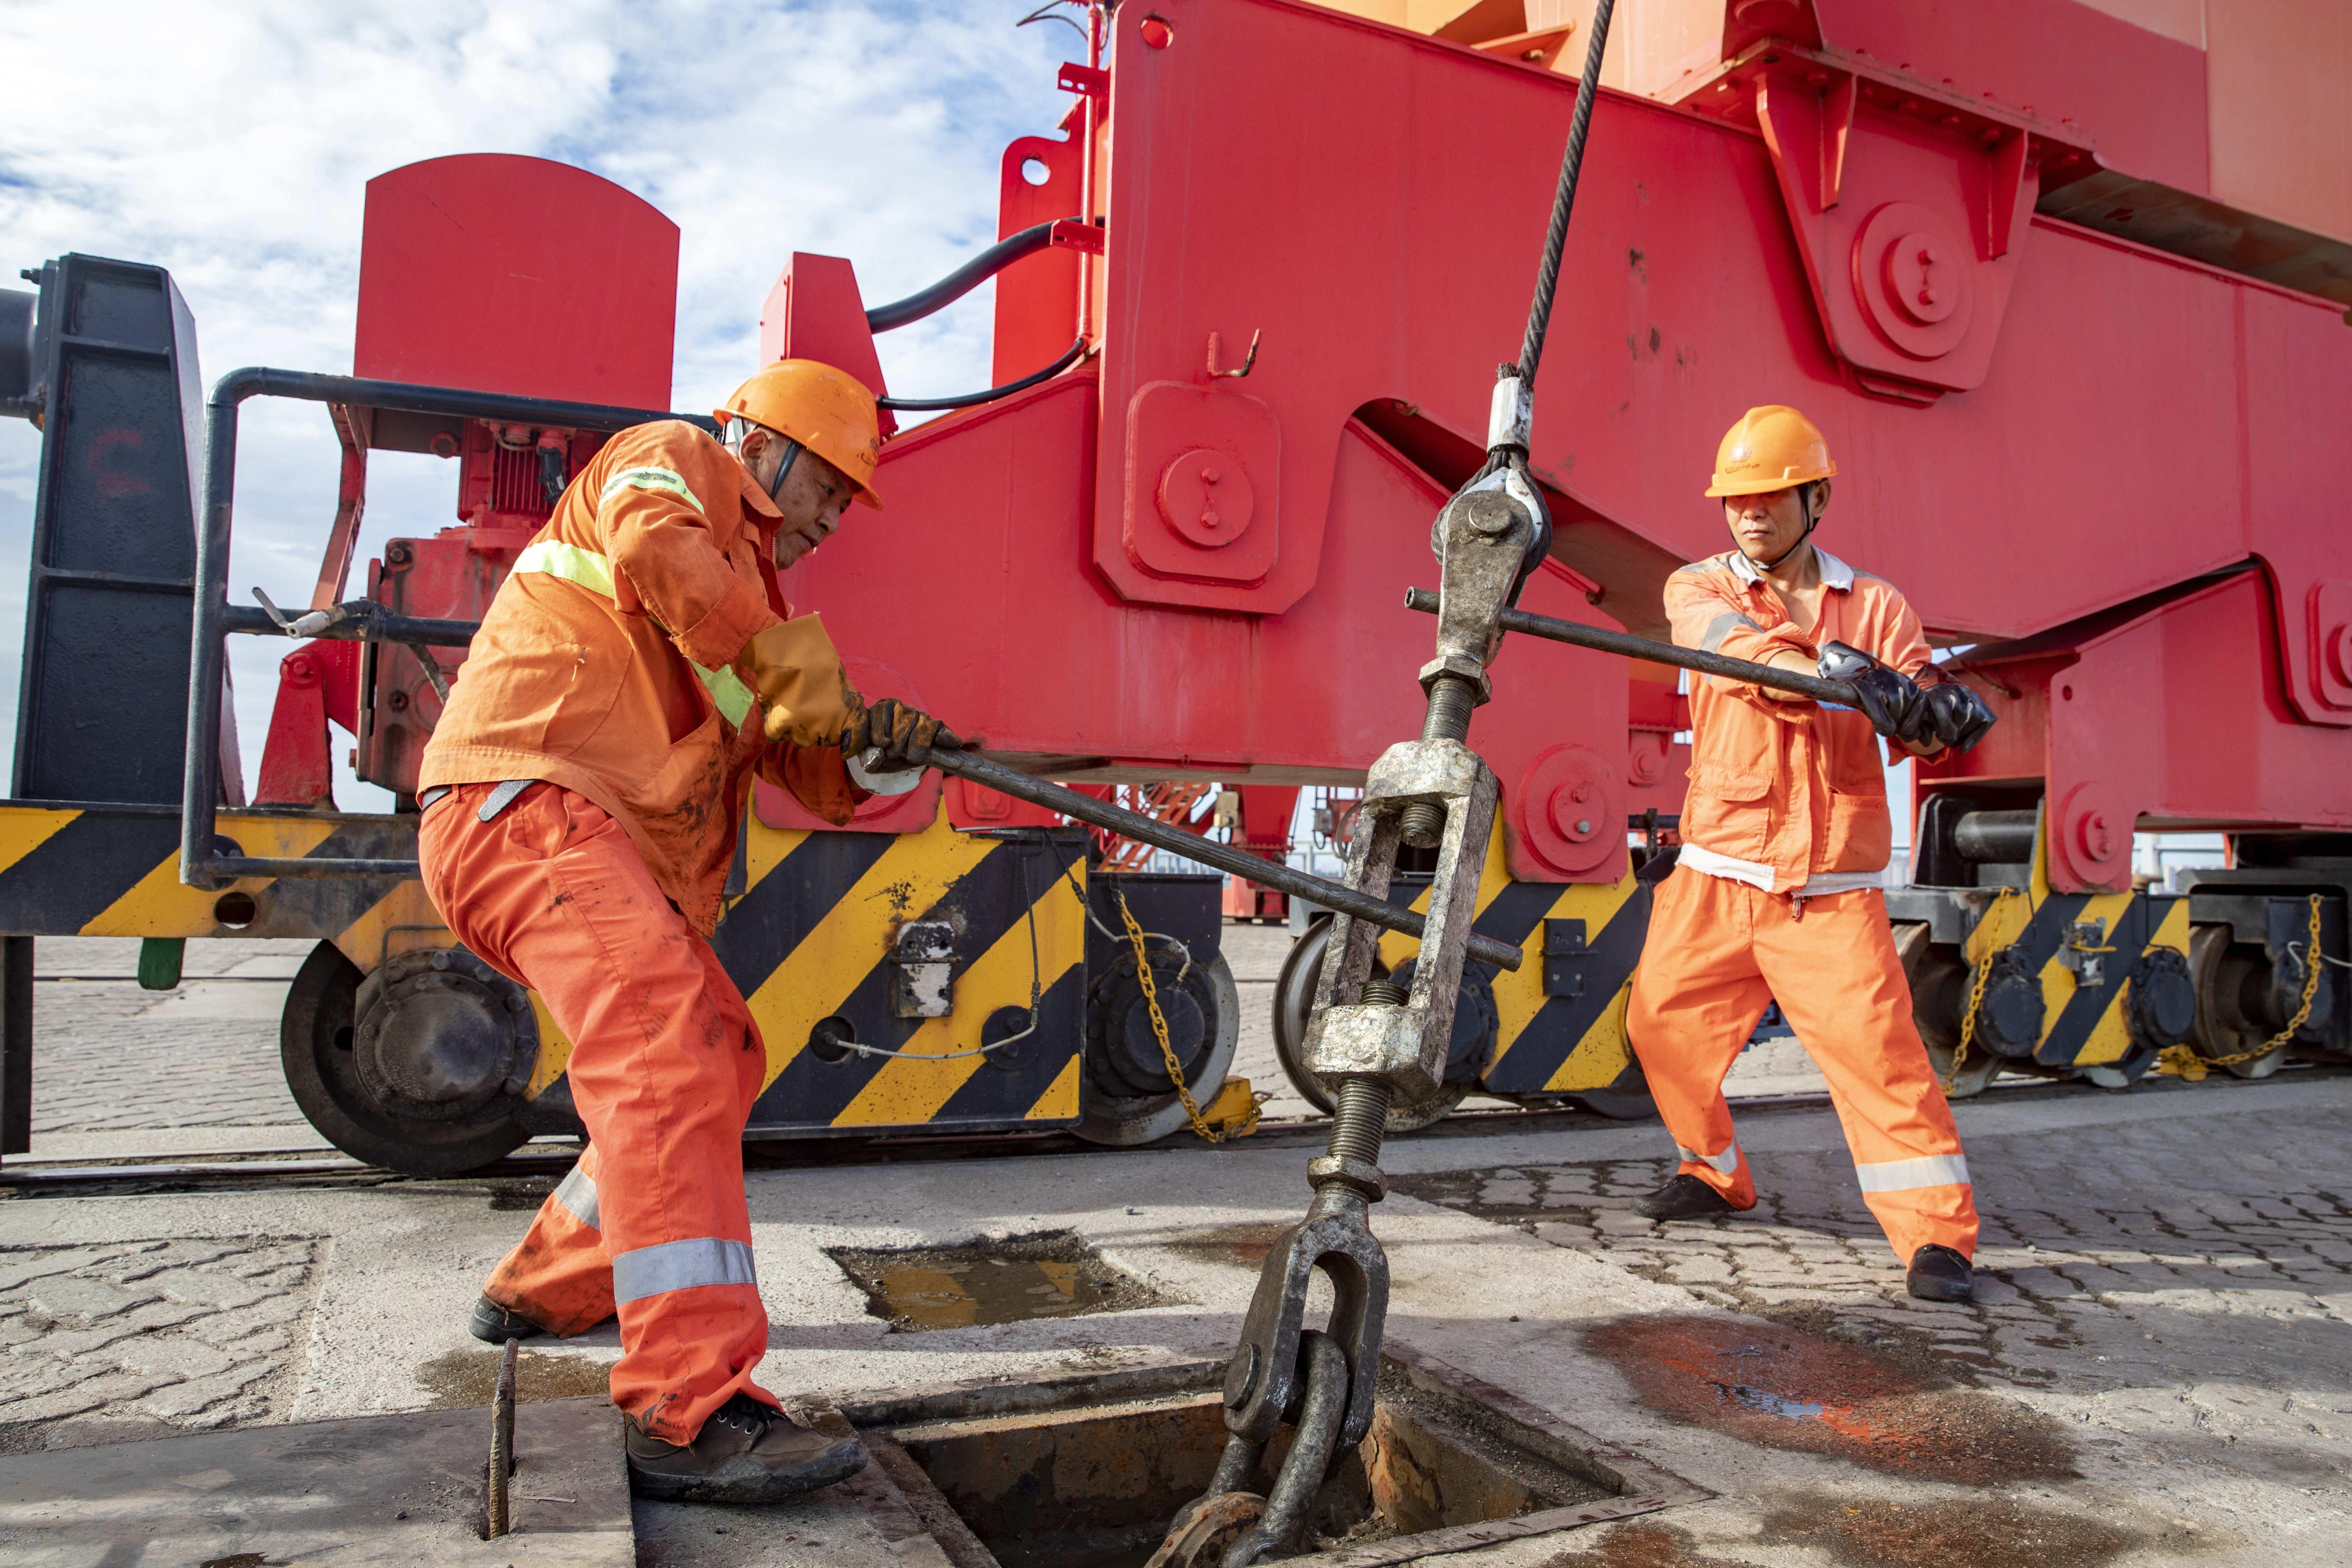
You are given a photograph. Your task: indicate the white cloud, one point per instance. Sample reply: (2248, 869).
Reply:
(231, 143)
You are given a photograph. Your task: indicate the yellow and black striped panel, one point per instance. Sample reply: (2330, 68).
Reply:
(1553, 1043)
(2081, 1026)
(114, 870)
(812, 937)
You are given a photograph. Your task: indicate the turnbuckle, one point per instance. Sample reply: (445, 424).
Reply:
(1373, 1038)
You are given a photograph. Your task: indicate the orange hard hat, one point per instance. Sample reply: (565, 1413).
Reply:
(1772, 448)
(829, 411)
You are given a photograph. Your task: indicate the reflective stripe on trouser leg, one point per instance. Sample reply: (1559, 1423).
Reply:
(1843, 993)
(1722, 1164)
(665, 1066)
(680, 1266)
(1696, 998)
(558, 1275)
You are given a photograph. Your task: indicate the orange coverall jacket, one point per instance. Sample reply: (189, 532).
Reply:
(1787, 792)
(607, 662)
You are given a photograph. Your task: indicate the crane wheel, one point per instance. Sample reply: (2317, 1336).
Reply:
(1129, 1098)
(315, 1043)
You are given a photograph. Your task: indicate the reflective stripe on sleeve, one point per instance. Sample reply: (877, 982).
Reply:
(1723, 1163)
(1902, 1175)
(661, 481)
(577, 1197)
(587, 569)
(1720, 627)
(728, 691)
(584, 568)
(681, 1266)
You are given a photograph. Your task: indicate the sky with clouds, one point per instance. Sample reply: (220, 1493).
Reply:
(232, 143)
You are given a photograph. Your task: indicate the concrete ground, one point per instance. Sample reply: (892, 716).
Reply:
(2158, 1368)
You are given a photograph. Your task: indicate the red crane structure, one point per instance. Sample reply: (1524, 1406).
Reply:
(2087, 414)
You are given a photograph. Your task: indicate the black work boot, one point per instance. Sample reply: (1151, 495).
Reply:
(1684, 1197)
(493, 1324)
(1940, 1274)
(746, 1452)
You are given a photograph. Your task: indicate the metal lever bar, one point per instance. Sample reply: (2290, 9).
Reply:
(1838, 691)
(1269, 873)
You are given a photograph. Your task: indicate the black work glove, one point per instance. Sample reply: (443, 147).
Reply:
(903, 736)
(1894, 707)
(1959, 715)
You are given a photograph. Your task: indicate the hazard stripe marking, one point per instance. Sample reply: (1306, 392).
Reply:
(1014, 1091)
(1550, 1031)
(73, 875)
(904, 1089)
(844, 955)
(791, 898)
(24, 830)
(1060, 1100)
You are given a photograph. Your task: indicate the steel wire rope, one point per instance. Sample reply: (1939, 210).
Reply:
(1572, 166)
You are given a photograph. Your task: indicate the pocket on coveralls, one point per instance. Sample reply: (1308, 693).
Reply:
(1724, 810)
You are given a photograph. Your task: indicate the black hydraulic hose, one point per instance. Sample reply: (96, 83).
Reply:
(1069, 357)
(963, 279)
(1176, 840)
(1838, 691)
(1564, 199)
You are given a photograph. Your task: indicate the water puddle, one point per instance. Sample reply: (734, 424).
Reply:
(1019, 1279)
(1784, 1388)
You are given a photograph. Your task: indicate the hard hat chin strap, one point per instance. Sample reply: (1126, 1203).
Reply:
(1806, 494)
(740, 431)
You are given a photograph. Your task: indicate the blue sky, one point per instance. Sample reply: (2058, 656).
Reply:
(231, 142)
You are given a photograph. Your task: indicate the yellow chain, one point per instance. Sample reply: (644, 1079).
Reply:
(1976, 998)
(1160, 1029)
(2186, 1063)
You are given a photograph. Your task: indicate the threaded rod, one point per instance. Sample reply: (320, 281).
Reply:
(1360, 1122)
(1451, 698)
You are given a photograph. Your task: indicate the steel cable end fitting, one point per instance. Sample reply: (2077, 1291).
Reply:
(1511, 413)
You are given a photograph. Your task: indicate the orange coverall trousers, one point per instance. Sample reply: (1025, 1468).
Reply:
(665, 1066)
(1718, 951)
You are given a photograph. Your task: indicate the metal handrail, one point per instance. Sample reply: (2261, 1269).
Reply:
(202, 864)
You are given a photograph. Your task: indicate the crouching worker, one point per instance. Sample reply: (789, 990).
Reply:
(580, 799)
(1785, 840)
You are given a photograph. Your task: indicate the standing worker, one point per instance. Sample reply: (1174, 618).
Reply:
(581, 796)
(1777, 894)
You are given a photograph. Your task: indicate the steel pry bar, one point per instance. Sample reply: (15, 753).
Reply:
(1841, 692)
(1274, 874)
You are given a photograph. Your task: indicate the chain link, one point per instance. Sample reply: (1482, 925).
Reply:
(2184, 1062)
(1160, 1029)
(1976, 997)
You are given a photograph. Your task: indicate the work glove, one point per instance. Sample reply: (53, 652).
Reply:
(804, 697)
(1894, 707)
(1959, 715)
(893, 734)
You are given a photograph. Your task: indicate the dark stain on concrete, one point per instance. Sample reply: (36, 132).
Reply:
(523, 1195)
(1784, 1388)
(1242, 1246)
(1968, 1532)
(463, 1378)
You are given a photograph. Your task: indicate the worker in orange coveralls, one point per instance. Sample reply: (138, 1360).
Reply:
(1776, 894)
(581, 796)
